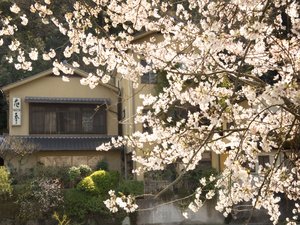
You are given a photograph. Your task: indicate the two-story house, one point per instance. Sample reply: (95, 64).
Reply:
(65, 121)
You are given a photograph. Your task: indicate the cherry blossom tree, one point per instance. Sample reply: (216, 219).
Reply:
(12, 148)
(233, 65)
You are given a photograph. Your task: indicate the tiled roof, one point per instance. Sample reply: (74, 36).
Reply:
(64, 143)
(33, 99)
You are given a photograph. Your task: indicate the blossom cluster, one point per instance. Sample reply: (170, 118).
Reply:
(127, 203)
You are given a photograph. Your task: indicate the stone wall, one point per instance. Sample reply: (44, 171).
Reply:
(161, 213)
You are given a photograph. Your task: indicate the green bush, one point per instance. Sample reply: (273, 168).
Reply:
(48, 172)
(74, 202)
(85, 170)
(85, 203)
(79, 204)
(5, 184)
(99, 182)
(132, 187)
(88, 185)
(74, 173)
(102, 165)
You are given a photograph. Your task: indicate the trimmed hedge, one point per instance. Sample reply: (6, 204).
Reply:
(79, 204)
(82, 206)
(99, 182)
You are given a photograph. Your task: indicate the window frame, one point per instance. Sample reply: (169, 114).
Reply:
(261, 160)
(62, 122)
(149, 77)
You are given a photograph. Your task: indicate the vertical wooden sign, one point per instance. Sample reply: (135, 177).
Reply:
(16, 113)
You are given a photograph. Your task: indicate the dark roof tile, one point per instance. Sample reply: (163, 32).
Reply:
(32, 99)
(53, 143)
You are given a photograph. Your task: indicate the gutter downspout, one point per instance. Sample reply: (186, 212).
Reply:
(120, 129)
(5, 98)
(132, 118)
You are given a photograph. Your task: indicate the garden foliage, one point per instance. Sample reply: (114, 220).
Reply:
(39, 198)
(99, 182)
(5, 184)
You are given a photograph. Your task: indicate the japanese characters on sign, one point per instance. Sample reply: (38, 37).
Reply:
(16, 113)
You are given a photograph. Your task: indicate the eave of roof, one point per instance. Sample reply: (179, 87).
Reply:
(33, 99)
(49, 72)
(64, 143)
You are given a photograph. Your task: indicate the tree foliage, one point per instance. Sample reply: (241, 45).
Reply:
(15, 148)
(238, 82)
(36, 35)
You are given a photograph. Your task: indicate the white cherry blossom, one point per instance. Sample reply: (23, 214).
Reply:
(24, 20)
(15, 9)
(33, 54)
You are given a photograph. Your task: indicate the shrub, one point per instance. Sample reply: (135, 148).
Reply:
(102, 165)
(132, 187)
(47, 192)
(74, 173)
(85, 170)
(39, 197)
(49, 172)
(87, 184)
(5, 184)
(82, 206)
(86, 201)
(79, 204)
(99, 182)
(63, 220)
(75, 203)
